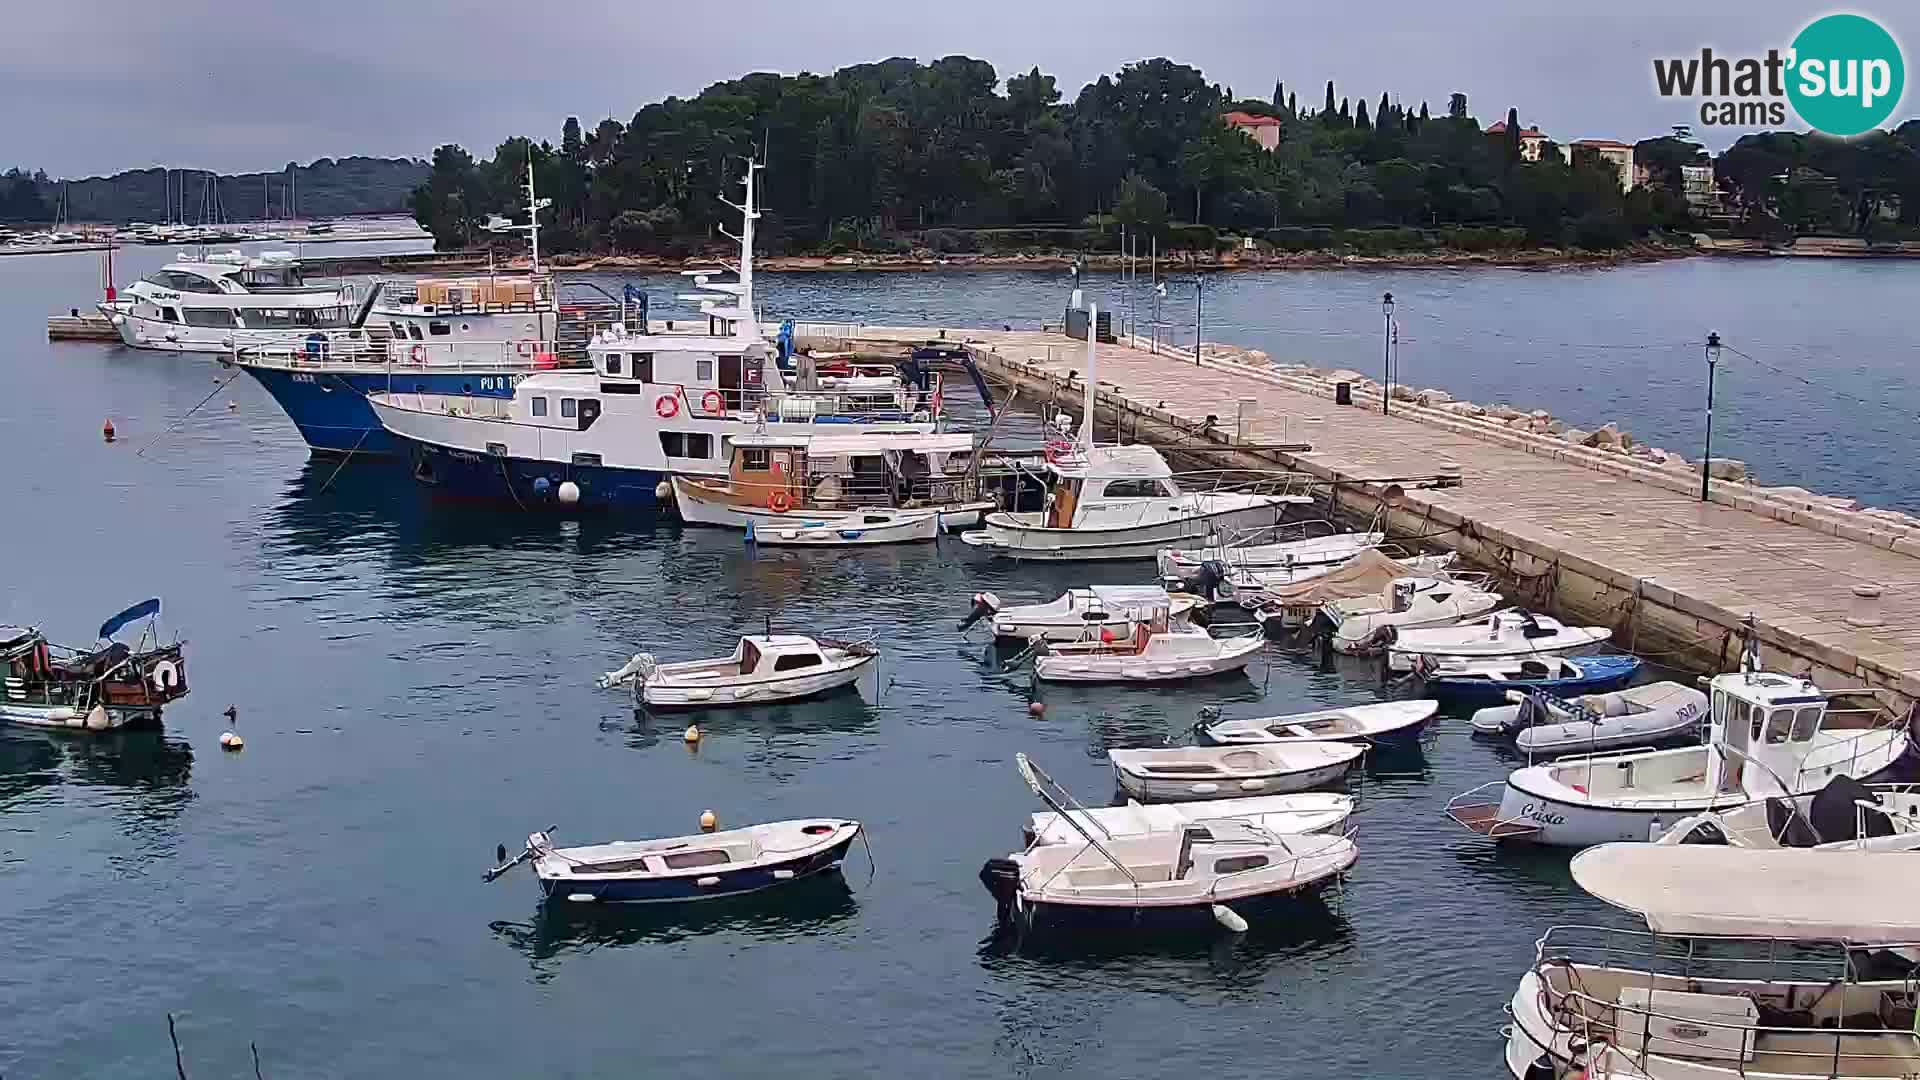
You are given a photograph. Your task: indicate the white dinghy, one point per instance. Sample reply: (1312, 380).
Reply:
(677, 868)
(1282, 815)
(1769, 735)
(1186, 773)
(852, 530)
(1405, 604)
(1386, 721)
(1206, 874)
(1085, 613)
(1638, 716)
(1159, 651)
(1503, 635)
(762, 668)
(1260, 549)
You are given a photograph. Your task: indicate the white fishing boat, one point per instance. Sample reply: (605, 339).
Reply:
(1159, 650)
(842, 473)
(1090, 612)
(1185, 773)
(704, 866)
(1845, 815)
(1208, 873)
(1385, 721)
(1364, 578)
(1638, 716)
(1503, 635)
(1776, 964)
(1282, 815)
(1405, 604)
(1769, 735)
(1261, 549)
(1123, 502)
(762, 668)
(853, 530)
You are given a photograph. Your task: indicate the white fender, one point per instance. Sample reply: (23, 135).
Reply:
(165, 675)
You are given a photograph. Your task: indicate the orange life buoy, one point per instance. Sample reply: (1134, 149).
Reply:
(712, 402)
(417, 354)
(779, 502)
(667, 406)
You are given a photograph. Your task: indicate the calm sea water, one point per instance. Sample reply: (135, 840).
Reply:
(415, 686)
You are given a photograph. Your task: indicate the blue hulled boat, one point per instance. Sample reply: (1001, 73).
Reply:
(1487, 682)
(681, 868)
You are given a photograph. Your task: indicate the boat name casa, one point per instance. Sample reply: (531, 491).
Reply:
(1544, 817)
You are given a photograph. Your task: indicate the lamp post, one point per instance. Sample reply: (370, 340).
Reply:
(1706, 460)
(1198, 283)
(1386, 355)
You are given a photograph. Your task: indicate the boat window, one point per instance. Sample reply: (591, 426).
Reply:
(439, 329)
(497, 449)
(293, 318)
(568, 407)
(1745, 712)
(703, 370)
(539, 406)
(399, 329)
(756, 460)
(686, 444)
(208, 316)
(613, 363)
(586, 459)
(643, 366)
(169, 314)
(1805, 722)
(1779, 725)
(687, 860)
(796, 660)
(1143, 488)
(413, 331)
(193, 283)
(1237, 863)
(619, 388)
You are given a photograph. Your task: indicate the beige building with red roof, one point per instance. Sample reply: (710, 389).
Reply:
(1264, 130)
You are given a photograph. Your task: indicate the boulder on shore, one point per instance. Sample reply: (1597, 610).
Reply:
(1464, 408)
(1404, 393)
(1503, 412)
(1727, 469)
(1431, 396)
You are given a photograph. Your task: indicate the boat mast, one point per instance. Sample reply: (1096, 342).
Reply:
(749, 214)
(533, 214)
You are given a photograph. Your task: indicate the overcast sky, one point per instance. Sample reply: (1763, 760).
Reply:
(96, 86)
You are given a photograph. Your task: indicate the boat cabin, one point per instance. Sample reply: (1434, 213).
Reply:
(873, 466)
(683, 366)
(1108, 485)
(445, 314)
(1766, 724)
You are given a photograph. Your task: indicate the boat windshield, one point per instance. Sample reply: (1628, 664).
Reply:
(294, 318)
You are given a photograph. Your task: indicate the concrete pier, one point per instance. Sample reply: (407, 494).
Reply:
(1592, 535)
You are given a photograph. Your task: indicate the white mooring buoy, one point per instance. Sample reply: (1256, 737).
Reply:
(568, 492)
(1229, 918)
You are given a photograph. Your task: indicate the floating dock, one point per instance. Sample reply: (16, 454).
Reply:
(81, 326)
(1591, 534)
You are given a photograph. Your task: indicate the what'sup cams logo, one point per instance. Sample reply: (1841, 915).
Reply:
(1843, 75)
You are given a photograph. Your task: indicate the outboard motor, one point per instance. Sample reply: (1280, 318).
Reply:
(1002, 879)
(1205, 581)
(984, 604)
(1208, 715)
(1380, 640)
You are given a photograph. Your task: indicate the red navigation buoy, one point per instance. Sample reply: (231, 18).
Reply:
(1036, 709)
(106, 430)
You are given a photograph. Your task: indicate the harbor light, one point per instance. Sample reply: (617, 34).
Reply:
(1706, 458)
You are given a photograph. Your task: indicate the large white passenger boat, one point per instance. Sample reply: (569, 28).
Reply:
(225, 301)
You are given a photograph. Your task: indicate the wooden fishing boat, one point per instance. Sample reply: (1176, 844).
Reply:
(1282, 815)
(1385, 721)
(108, 686)
(851, 530)
(763, 668)
(1185, 773)
(1158, 651)
(703, 866)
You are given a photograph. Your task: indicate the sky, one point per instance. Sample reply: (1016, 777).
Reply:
(97, 86)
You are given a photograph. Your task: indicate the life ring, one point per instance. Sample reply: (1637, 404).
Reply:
(525, 348)
(1057, 450)
(417, 354)
(712, 402)
(165, 675)
(779, 502)
(667, 406)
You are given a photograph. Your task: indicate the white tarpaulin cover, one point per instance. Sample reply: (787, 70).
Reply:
(1699, 889)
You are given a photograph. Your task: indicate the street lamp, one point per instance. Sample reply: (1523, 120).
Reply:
(1386, 355)
(1198, 283)
(1706, 461)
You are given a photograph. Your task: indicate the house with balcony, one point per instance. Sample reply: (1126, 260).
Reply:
(1617, 155)
(1532, 140)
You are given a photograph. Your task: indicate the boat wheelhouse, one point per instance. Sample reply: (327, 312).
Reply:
(221, 302)
(835, 472)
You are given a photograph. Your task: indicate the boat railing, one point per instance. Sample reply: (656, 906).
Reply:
(1327, 855)
(1477, 810)
(847, 493)
(1757, 957)
(855, 639)
(403, 357)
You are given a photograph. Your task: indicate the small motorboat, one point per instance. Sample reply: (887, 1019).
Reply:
(1488, 682)
(875, 527)
(1384, 721)
(1405, 604)
(1158, 651)
(101, 688)
(1503, 635)
(1363, 580)
(1248, 551)
(1083, 613)
(1282, 815)
(1199, 874)
(763, 668)
(1846, 815)
(676, 868)
(1186, 773)
(1541, 723)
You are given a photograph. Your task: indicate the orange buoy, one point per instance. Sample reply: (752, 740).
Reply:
(106, 430)
(1037, 709)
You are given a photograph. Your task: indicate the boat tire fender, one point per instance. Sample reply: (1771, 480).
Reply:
(165, 675)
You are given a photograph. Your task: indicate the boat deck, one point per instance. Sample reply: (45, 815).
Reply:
(1688, 572)
(1486, 821)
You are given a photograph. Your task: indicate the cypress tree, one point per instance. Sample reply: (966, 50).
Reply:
(1513, 136)
(1328, 107)
(1423, 113)
(1385, 110)
(1279, 94)
(1360, 118)
(1346, 114)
